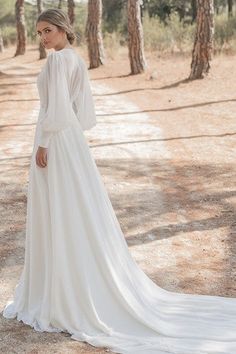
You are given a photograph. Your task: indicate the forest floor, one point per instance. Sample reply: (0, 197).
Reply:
(166, 150)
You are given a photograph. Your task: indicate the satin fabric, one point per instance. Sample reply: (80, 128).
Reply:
(79, 276)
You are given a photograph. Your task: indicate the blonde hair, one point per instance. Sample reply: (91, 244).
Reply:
(58, 18)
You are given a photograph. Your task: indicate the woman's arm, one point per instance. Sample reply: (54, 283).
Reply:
(56, 110)
(83, 100)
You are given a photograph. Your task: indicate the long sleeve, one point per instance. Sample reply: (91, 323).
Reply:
(56, 112)
(83, 100)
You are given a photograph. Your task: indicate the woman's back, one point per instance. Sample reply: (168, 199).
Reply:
(65, 92)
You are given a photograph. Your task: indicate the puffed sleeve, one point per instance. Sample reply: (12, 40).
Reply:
(83, 102)
(57, 111)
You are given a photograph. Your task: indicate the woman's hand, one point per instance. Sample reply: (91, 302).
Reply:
(41, 156)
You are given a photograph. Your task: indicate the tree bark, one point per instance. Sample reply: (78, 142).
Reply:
(230, 8)
(135, 38)
(42, 50)
(71, 10)
(94, 34)
(20, 27)
(203, 44)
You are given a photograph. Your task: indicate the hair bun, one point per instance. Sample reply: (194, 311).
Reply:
(71, 37)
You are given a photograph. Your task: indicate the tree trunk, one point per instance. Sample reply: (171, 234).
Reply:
(230, 8)
(71, 10)
(42, 50)
(141, 11)
(94, 34)
(194, 10)
(181, 12)
(20, 27)
(1, 43)
(135, 38)
(59, 4)
(203, 44)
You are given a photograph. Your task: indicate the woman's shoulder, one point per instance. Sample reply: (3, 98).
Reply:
(68, 54)
(60, 53)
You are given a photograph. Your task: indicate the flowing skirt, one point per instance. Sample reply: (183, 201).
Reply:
(79, 276)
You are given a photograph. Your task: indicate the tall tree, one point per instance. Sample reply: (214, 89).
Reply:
(194, 10)
(112, 14)
(1, 42)
(135, 37)
(203, 44)
(20, 27)
(94, 34)
(71, 10)
(59, 4)
(230, 8)
(42, 51)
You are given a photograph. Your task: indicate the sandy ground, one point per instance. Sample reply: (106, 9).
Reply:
(166, 150)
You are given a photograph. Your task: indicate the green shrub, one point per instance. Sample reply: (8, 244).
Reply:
(182, 34)
(178, 37)
(8, 35)
(112, 43)
(225, 33)
(173, 36)
(157, 36)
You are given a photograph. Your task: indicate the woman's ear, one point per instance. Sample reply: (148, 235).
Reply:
(62, 31)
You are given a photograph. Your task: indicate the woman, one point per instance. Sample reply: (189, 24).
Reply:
(78, 275)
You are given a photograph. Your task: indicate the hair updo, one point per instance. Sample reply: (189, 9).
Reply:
(58, 18)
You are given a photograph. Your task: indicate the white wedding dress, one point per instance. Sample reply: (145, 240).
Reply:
(79, 276)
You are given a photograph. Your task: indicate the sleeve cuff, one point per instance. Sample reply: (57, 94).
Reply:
(44, 138)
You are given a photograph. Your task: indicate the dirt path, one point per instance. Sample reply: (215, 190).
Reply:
(166, 151)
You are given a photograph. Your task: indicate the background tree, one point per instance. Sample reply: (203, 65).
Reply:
(20, 27)
(230, 8)
(71, 10)
(94, 34)
(59, 4)
(42, 51)
(1, 42)
(194, 10)
(164, 8)
(135, 38)
(112, 14)
(203, 43)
